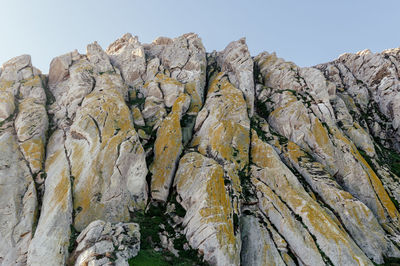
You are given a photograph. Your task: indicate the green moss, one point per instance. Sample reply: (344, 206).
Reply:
(137, 101)
(391, 261)
(154, 221)
(261, 109)
(110, 72)
(187, 125)
(147, 258)
(247, 189)
(154, 258)
(72, 239)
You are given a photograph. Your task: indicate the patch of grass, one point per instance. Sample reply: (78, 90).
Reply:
(154, 258)
(147, 258)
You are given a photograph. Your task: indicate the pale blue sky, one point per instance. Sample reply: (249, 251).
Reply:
(305, 32)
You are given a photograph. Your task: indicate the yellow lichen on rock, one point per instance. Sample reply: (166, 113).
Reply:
(300, 241)
(273, 172)
(200, 184)
(167, 149)
(34, 81)
(385, 204)
(33, 150)
(52, 235)
(103, 131)
(31, 125)
(196, 102)
(224, 134)
(6, 85)
(7, 105)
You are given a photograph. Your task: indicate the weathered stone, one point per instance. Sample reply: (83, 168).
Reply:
(51, 240)
(7, 105)
(18, 202)
(59, 69)
(258, 247)
(107, 160)
(69, 92)
(224, 133)
(98, 58)
(167, 149)
(171, 89)
(371, 78)
(137, 117)
(97, 242)
(13, 69)
(324, 140)
(208, 221)
(236, 61)
(317, 184)
(299, 240)
(31, 125)
(331, 239)
(358, 220)
(127, 54)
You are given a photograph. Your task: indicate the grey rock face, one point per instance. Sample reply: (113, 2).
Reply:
(23, 124)
(18, 202)
(102, 243)
(258, 247)
(254, 160)
(236, 61)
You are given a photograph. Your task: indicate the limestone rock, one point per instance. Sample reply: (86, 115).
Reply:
(7, 105)
(209, 215)
(358, 220)
(127, 54)
(258, 248)
(224, 133)
(236, 61)
(18, 202)
(167, 149)
(270, 164)
(107, 160)
(31, 125)
(331, 239)
(97, 242)
(51, 240)
(317, 133)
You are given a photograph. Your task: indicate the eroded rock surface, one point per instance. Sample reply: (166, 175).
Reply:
(221, 158)
(23, 124)
(102, 243)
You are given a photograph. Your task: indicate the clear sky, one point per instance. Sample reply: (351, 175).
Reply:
(303, 31)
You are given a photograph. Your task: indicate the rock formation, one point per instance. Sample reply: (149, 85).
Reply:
(163, 153)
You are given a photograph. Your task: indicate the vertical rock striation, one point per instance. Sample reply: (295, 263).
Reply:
(241, 160)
